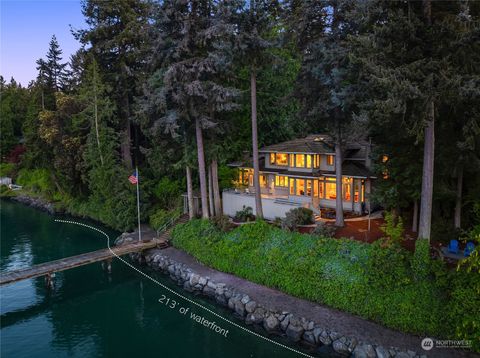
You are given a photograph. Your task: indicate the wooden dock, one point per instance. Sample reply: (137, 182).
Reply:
(49, 268)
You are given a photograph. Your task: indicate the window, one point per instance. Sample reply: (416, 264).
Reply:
(300, 160)
(281, 159)
(309, 161)
(330, 189)
(263, 181)
(315, 188)
(321, 188)
(292, 186)
(292, 160)
(250, 179)
(330, 160)
(272, 158)
(281, 181)
(356, 194)
(309, 187)
(316, 161)
(300, 187)
(347, 189)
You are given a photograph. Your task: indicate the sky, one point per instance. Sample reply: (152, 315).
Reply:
(26, 27)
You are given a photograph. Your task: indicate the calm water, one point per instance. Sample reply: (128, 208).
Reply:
(90, 313)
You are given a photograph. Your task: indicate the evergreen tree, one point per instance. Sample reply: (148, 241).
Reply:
(117, 33)
(191, 58)
(55, 70)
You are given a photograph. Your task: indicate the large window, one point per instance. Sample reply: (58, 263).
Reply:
(309, 161)
(279, 159)
(330, 189)
(281, 181)
(330, 160)
(300, 160)
(300, 187)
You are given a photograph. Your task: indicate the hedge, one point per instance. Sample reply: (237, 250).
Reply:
(376, 281)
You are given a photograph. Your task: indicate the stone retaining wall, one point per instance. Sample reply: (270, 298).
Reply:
(297, 329)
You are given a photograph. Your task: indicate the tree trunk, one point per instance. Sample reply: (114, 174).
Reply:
(458, 200)
(427, 176)
(191, 208)
(338, 175)
(415, 216)
(210, 191)
(216, 189)
(95, 110)
(256, 164)
(201, 168)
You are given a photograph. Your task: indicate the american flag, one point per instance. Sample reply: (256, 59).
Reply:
(133, 178)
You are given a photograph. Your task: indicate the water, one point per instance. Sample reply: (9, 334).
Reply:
(91, 313)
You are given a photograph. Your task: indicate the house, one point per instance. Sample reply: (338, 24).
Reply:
(301, 173)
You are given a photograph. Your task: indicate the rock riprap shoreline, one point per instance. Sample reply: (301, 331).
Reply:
(297, 329)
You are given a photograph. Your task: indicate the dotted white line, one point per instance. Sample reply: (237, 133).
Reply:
(181, 296)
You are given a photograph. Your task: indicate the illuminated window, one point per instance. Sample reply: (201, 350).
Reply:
(281, 159)
(321, 189)
(316, 161)
(272, 158)
(330, 189)
(309, 161)
(292, 160)
(281, 181)
(292, 186)
(356, 194)
(300, 187)
(315, 188)
(330, 160)
(309, 187)
(300, 161)
(263, 181)
(384, 158)
(347, 189)
(250, 179)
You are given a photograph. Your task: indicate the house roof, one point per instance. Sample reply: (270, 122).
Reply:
(312, 144)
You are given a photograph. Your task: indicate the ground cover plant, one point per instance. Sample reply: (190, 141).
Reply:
(380, 281)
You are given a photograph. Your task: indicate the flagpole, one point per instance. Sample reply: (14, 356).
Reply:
(138, 205)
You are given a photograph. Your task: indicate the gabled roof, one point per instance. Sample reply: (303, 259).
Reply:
(312, 144)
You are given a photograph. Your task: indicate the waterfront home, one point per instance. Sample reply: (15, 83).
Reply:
(301, 172)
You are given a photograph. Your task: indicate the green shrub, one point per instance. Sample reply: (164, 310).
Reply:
(221, 222)
(36, 180)
(393, 227)
(6, 169)
(297, 216)
(167, 193)
(324, 230)
(244, 215)
(161, 217)
(376, 281)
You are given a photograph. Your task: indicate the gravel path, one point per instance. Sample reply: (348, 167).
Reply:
(342, 322)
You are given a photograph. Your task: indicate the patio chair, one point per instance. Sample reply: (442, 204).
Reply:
(453, 247)
(468, 249)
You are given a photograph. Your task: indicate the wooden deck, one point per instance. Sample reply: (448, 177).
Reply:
(79, 260)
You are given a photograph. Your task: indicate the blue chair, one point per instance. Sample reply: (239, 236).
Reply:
(468, 249)
(453, 247)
